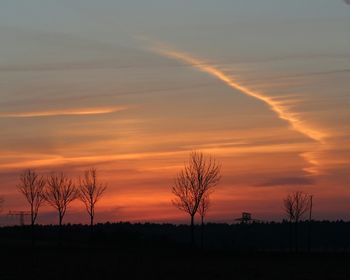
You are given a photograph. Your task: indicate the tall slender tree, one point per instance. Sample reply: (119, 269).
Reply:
(198, 177)
(90, 191)
(32, 186)
(60, 192)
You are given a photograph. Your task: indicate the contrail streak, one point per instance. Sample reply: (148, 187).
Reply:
(54, 113)
(278, 106)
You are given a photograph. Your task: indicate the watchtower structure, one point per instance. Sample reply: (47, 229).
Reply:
(246, 218)
(21, 215)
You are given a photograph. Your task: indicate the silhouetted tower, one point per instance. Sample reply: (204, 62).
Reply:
(247, 218)
(20, 214)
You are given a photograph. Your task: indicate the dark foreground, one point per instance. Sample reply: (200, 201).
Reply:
(110, 264)
(127, 251)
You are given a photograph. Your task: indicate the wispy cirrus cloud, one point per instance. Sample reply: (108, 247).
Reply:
(281, 108)
(64, 112)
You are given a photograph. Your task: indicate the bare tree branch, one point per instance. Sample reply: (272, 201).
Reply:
(32, 186)
(296, 205)
(60, 192)
(90, 191)
(197, 179)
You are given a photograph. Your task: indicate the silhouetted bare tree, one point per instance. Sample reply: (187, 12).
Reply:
(60, 192)
(199, 176)
(295, 206)
(202, 211)
(90, 191)
(32, 186)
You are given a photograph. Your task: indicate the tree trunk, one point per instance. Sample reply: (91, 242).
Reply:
(92, 214)
(32, 225)
(309, 236)
(290, 236)
(192, 230)
(91, 226)
(60, 219)
(296, 236)
(32, 215)
(202, 232)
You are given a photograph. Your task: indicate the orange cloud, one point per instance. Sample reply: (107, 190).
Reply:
(41, 160)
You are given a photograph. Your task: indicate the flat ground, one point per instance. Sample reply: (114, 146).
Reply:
(67, 263)
(126, 251)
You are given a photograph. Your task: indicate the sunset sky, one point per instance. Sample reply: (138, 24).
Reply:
(132, 87)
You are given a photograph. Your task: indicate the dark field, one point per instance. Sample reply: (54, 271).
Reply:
(148, 251)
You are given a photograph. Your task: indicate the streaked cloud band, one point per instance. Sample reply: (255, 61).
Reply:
(66, 112)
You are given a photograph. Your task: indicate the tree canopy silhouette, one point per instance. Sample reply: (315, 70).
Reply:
(90, 191)
(196, 180)
(32, 186)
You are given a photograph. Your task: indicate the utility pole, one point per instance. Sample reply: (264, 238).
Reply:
(310, 213)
